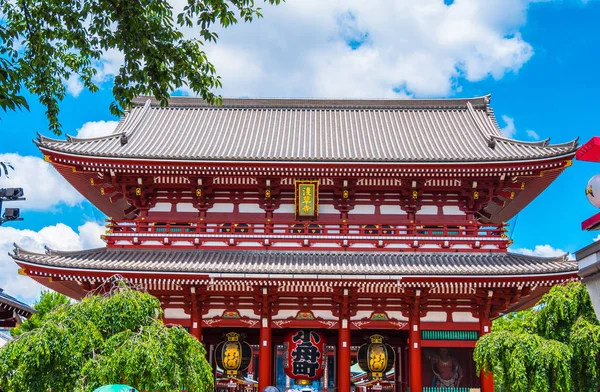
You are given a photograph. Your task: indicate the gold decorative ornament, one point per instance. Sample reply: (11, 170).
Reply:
(476, 195)
(198, 192)
(268, 193)
(138, 191)
(345, 194)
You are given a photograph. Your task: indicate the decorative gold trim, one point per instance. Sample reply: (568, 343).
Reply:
(22, 271)
(92, 182)
(47, 158)
(315, 184)
(568, 163)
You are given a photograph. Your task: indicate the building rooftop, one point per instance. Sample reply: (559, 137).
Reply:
(9, 304)
(336, 130)
(299, 263)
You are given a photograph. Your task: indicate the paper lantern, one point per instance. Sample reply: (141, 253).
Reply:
(304, 355)
(592, 191)
(376, 358)
(233, 355)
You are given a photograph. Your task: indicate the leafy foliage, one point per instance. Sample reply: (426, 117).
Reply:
(46, 42)
(4, 166)
(554, 347)
(49, 300)
(111, 339)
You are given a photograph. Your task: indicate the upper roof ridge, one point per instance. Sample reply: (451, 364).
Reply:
(321, 103)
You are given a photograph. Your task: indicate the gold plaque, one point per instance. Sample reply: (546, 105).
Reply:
(306, 199)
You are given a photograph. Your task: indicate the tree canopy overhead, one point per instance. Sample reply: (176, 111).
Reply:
(105, 339)
(43, 43)
(554, 347)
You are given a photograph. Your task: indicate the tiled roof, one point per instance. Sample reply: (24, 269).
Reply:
(11, 303)
(436, 130)
(280, 262)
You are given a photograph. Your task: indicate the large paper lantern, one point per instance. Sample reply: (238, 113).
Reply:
(592, 191)
(233, 355)
(304, 355)
(376, 358)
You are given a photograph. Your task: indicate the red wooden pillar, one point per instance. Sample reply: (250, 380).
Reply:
(195, 316)
(344, 360)
(343, 354)
(414, 337)
(265, 351)
(485, 327)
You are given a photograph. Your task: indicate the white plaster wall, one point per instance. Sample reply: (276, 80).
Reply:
(452, 210)
(221, 207)
(428, 210)
(327, 209)
(363, 210)
(464, 317)
(285, 209)
(247, 207)
(435, 317)
(161, 207)
(186, 207)
(175, 314)
(392, 210)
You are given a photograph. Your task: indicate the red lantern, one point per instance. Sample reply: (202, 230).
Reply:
(304, 355)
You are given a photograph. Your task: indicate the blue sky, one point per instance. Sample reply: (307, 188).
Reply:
(539, 61)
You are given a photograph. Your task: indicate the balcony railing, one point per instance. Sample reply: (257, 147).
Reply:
(294, 235)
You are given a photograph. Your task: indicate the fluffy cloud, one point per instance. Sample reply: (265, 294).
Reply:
(59, 236)
(509, 130)
(543, 251)
(44, 188)
(74, 85)
(532, 134)
(354, 48)
(96, 128)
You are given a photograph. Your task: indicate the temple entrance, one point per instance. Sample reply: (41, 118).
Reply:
(444, 365)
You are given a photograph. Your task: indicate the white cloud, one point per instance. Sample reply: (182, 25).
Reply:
(407, 48)
(509, 130)
(96, 128)
(59, 236)
(532, 134)
(543, 251)
(44, 188)
(74, 85)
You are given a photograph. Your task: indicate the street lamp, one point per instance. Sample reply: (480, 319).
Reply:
(10, 194)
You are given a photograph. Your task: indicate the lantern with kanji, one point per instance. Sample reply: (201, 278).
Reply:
(304, 355)
(376, 358)
(233, 355)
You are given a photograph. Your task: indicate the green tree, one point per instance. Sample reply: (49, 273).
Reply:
(4, 166)
(111, 339)
(554, 347)
(43, 43)
(49, 300)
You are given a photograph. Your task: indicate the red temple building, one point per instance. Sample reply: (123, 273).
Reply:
(349, 219)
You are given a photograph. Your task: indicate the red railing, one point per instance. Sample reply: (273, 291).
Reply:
(283, 235)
